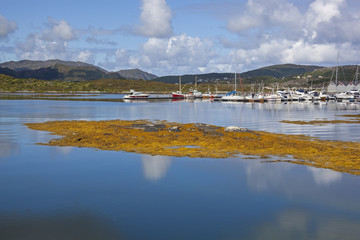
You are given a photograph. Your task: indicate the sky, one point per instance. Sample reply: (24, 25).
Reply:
(172, 37)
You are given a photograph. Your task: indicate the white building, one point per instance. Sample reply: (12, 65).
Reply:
(357, 86)
(331, 88)
(341, 87)
(350, 87)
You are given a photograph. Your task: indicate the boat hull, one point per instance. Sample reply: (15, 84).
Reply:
(178, 95)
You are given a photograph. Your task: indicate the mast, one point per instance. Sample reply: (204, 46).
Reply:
(242, 90)
(196, 82)
(179, 84)
(235, 81)
(336, 75)
(336, 70)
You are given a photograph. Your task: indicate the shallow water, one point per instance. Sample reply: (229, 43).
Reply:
(82, 193)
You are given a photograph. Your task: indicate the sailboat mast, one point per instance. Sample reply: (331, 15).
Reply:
(195, 82)
(242, 90)
(179, 84)
(336, 70)
(235, 81)
(336, 75)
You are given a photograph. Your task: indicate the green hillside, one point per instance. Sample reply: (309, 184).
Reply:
(11, 84)
(345, 74)
(280, 71)
(267, 74)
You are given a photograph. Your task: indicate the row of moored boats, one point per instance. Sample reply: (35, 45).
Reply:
(281, 95)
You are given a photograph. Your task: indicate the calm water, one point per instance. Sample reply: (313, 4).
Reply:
(81, 193)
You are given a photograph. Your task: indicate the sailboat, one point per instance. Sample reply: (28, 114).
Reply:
(197, 94)
(232, 96)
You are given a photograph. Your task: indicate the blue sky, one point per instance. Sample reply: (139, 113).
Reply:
(170, 37)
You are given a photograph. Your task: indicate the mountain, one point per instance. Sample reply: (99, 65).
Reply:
(67, 71)
(280, 71)
(33, 65)
(79, 71)
(52, 70)
(136, 74)
(265, 73)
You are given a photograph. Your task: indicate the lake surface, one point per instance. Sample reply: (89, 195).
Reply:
(83, 193)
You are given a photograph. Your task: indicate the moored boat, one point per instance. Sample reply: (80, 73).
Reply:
(209, 94)
(178, 94)
(136, 95)
(232, 96)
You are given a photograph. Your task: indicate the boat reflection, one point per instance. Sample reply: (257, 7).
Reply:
(135, 100)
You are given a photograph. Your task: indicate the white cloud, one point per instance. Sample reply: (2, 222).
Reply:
(175, 54)
(264, 14)
(84, 56)
(279, 32)
(61, 31)
(6, 27)
(302, 52)
(155, 18)
(36, 48)
(51, 43)
(178, 54)
(323, 11)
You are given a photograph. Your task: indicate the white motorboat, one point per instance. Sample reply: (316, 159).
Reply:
(272, 97)
(136, 95)
(344, 96)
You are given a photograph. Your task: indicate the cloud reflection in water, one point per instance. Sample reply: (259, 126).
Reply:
(155, 167)
(325, 177)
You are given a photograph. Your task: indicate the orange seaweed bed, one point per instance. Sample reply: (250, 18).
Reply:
(354, 119)
(202, 141)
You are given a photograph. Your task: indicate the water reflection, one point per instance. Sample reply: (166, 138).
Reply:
(69, 227)
(325, 177)
(63, 150)
(8, 147)
(259, 177)
(305, 224)
(155, 167)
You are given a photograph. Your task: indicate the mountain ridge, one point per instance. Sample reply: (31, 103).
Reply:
(55, 69)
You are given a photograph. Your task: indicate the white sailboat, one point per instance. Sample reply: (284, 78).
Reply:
(232, 96)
